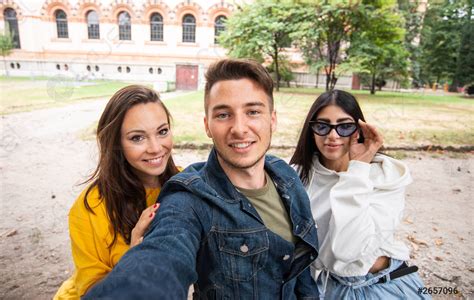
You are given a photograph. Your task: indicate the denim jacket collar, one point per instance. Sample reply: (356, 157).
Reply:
(223, 186)
(209, 180)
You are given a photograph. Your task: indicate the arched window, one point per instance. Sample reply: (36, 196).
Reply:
(93, 30)
(11, 26)
(156, 27)
(61, 24)
(125, 26)
(189, 29)
(219, 26)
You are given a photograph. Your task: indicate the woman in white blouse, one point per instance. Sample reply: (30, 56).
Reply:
(357, 199)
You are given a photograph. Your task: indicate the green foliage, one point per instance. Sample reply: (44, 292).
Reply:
(446, 42)
(379, 50)
(413, 22)
(6, 44)
(259, 30)
(465, 63)
(285, 68)
(324, 29)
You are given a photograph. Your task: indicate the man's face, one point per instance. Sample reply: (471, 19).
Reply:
(240, 122)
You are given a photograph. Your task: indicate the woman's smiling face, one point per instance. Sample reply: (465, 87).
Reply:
(147, 141)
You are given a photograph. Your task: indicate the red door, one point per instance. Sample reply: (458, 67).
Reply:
(186, 77)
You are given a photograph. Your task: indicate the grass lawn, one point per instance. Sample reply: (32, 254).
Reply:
(405, 119)
(25, 93)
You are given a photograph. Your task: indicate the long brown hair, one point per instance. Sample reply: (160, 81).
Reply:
(121, 190)
(306, 147)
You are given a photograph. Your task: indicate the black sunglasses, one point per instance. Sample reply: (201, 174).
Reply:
(343, 129)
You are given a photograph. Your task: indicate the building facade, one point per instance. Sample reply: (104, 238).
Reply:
(169, 43)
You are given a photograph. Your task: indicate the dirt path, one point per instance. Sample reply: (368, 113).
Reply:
(42, 159)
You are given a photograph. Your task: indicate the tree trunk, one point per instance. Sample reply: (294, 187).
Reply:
(333, 53)
(328, 79)
(333, 78)
(5, 66)
(277, 70)
(372, 85)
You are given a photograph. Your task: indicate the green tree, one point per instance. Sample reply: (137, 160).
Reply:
(324, 30)
(285, 68)
(465, 63)
(393, 64)
(6, 46)
(259, 30)
(379, 49)
(413, 23)
(444, 38)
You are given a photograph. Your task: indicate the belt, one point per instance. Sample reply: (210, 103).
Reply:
(403, 270)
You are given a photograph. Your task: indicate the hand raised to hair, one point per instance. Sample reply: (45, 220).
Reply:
(373, 140)
(142, 225)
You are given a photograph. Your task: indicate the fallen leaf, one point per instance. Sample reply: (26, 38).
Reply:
(412, 239)
(414, 246)
(439, 242)
(9, 233)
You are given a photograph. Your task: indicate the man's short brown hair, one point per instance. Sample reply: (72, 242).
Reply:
(235, 69)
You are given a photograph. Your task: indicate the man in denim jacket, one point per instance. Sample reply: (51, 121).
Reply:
(220, 226)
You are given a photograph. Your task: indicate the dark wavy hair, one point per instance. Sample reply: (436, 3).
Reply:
(123, 192)
(306, 147)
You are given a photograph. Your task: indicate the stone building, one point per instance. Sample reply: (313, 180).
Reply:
(162, 41)
(169, 43)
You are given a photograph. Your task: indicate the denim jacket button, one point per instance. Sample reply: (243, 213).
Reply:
(244, 248)
(286, 257)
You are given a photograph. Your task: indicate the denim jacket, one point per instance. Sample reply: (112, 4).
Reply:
(209, 234)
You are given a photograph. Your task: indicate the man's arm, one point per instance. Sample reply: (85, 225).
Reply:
(163, 266)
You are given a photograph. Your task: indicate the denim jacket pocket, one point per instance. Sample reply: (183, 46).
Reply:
(243, 253)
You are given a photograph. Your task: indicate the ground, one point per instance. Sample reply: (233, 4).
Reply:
(42, 160)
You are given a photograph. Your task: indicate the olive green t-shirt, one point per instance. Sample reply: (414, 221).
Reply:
(271, 209)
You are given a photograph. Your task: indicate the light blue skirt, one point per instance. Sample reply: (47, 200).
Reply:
(366, 287)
